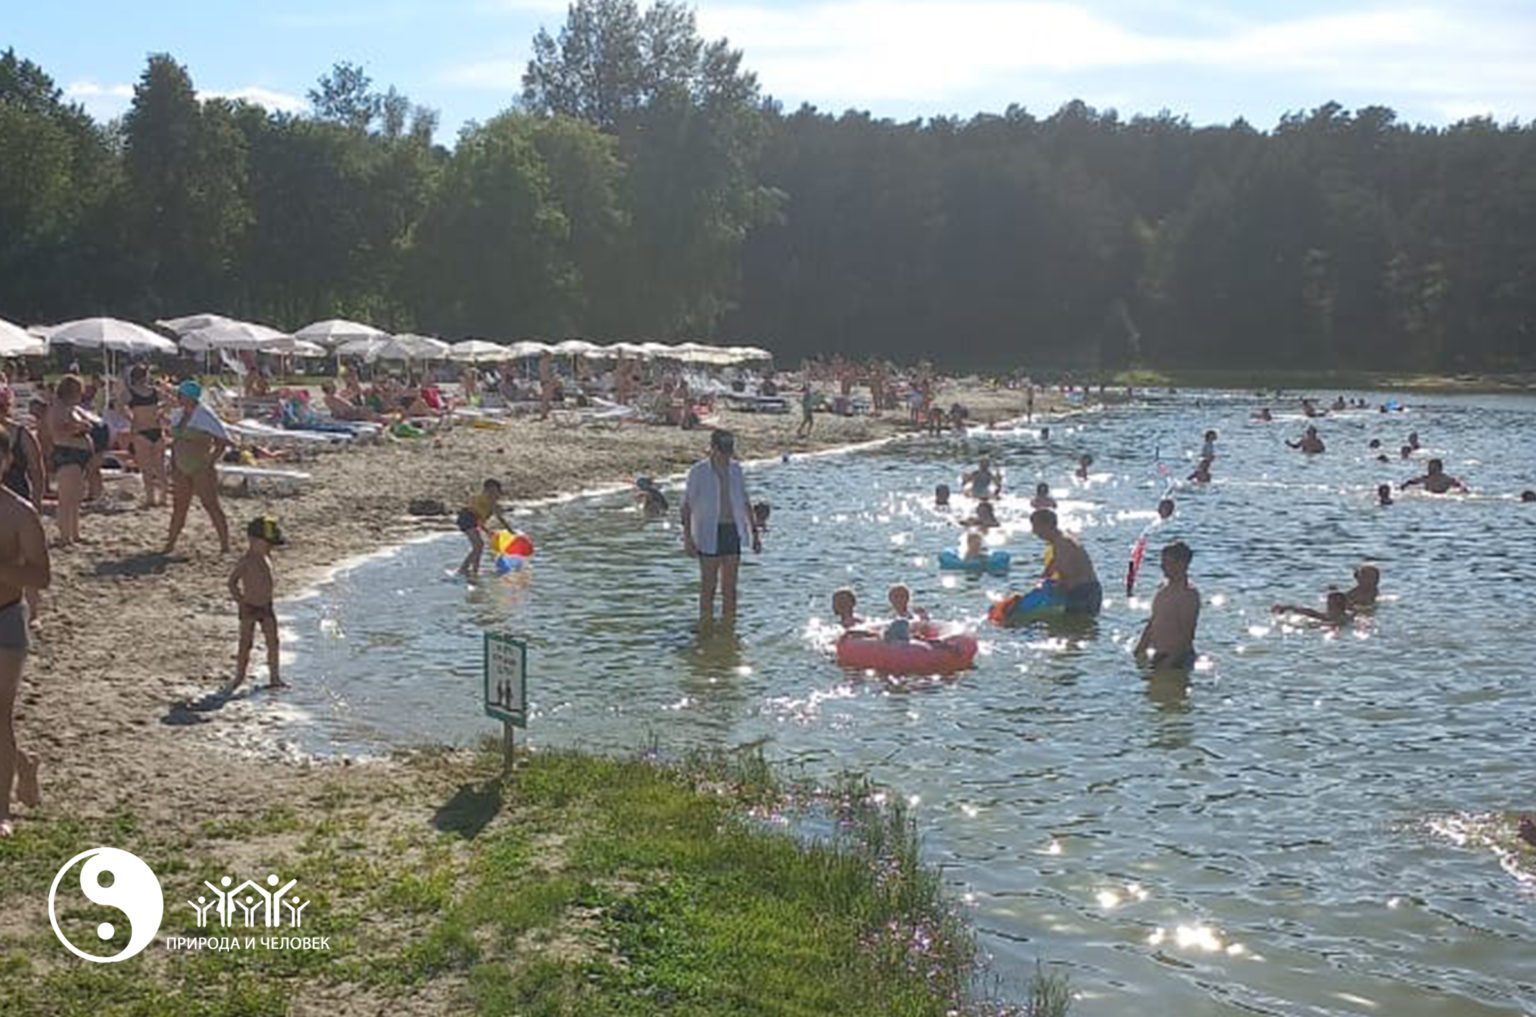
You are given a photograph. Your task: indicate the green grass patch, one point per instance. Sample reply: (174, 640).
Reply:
(583, 885)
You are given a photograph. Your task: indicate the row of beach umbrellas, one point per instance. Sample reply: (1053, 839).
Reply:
(202, 333)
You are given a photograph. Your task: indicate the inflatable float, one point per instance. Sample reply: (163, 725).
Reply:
(933, 653)
(511, 549)
(951, 561)
(1044, 601)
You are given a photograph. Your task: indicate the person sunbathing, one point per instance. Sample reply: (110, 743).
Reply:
(344, 409)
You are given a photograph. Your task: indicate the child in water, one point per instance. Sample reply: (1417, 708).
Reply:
(1165, 510)
(1170, 632)
(973, 548)
(649, 497)
(900, 628)
(1082, 466)
(941, 496)
(482, 508)
(1202, 474)
(761, 510)
(843, 603)
(1367, 585)
(985, 517)
(1042, 498)
(1208, 450)
(1383, 494)
(1336, 613)
(250, 586)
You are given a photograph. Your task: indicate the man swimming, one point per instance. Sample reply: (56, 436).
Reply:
(983, 482)
(1071, 565)
(1435, 480)
(1310, 443)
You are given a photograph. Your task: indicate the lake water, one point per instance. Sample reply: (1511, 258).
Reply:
(1300, 828)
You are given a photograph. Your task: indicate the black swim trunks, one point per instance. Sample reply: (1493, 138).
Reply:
(257, 613)
(727, 542)
(69, 455)
(1085, 599)
(467, 521)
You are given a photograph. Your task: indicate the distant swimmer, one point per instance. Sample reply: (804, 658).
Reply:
(1070, 565)
(985, 517)
(941, 496)
(973, 548)
(983, 482)
(1208, 450)
(1367, 586)
(1413, 440)
(1169, 637)
(1264, 415)
(1310, 443)
(1042, 498)
(649, 497)
(1383, 494)
(1336, 613)
(1165, 509)
(1082, 466)
(900, 628)
(1436, 481)
(843, 603)
(1528, 495)
(1202, 474)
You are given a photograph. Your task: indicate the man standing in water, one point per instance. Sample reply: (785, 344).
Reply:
(1070, 563)
(717, 517)
(23, 566)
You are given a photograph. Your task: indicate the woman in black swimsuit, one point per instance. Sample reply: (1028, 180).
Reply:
(71, 455)
(143, 401)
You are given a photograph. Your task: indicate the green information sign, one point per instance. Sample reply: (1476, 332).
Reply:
(506, 679)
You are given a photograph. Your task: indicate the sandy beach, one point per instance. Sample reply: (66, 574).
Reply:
(127, 635)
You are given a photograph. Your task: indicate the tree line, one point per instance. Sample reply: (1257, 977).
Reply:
(642, 185)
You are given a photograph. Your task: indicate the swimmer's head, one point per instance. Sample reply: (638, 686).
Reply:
(1165, 508)
(1042, 522)
(1085, 460)
(1435, 466)
(492, 487)
(1368, 576)
(1375, 443)
(1338, 603)
(1406, 451)
(1176, 558)
(986, 514)
(1528, 495)
(900, 597)
(941, 495)
(761, 510)
(1210, 435)
(973, 544)
(1043, 490)
(842, 602)
(1384, 493)
(1045, 434)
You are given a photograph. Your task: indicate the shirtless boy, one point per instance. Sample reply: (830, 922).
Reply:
(23, 565)
(1170, 633)
(251, 585)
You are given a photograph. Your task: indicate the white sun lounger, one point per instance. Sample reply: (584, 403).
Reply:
(255, 430)
(253, 477)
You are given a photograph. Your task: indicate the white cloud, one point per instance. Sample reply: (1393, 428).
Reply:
(272, 100)
(102, 102)
(928, 52)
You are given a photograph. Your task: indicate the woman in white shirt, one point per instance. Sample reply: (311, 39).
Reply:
(717, 520)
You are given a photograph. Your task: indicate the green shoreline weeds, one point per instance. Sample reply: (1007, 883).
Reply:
(1325, 382)
(577, 884)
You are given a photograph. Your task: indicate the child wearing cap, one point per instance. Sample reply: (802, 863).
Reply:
(251, 585)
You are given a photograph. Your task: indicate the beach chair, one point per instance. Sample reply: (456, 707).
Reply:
(253, 479)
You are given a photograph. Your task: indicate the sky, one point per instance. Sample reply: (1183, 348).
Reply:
(1434, 62)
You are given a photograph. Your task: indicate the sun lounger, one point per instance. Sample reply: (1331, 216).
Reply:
(256, 432)
(251, 478)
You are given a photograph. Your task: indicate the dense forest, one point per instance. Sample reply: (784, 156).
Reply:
(644, 186)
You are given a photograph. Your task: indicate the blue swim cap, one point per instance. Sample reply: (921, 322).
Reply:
(190, 389)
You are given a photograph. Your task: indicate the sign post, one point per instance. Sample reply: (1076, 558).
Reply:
(506, 688)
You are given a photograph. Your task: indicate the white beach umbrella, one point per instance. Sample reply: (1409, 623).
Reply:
(412, 347)
(307, 350)
(16, 341)
(656, 349)
(236, 336)
(365, 348)
(111, 334)
(748, 353)
(529, 348)
(577, 348)
(478, 351)
(192, 322)
(626, 349)
(335, 331)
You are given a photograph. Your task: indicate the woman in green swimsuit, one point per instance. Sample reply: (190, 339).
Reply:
(195, 454)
